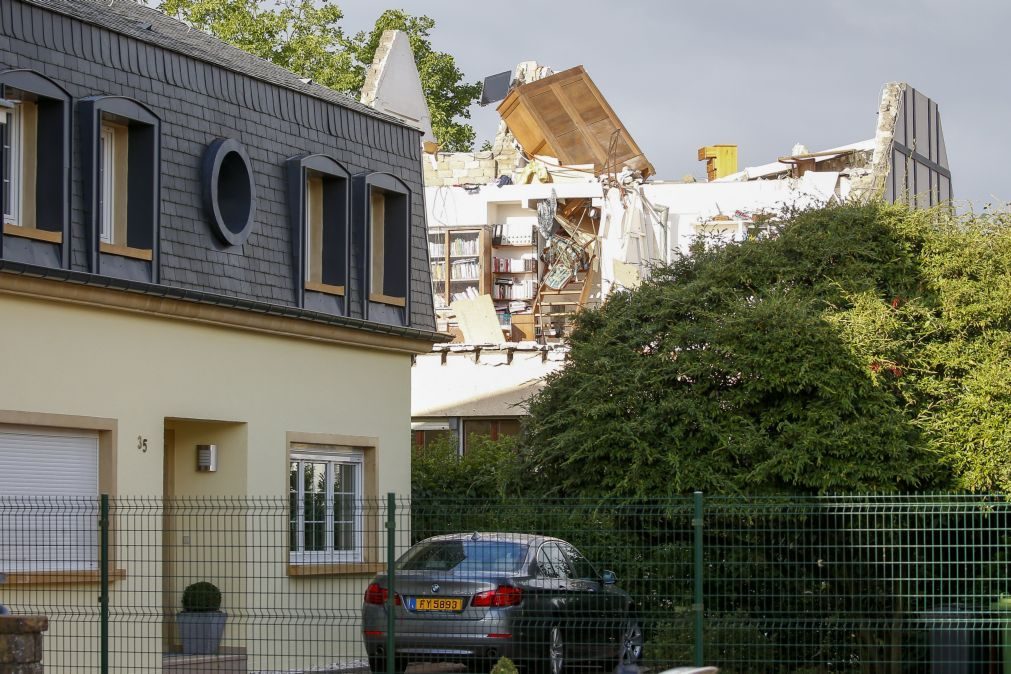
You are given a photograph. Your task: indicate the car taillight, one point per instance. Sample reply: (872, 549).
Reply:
(503, 595)
(377, 595)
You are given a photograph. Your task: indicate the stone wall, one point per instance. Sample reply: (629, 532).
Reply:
(459, 168)
(21, 644)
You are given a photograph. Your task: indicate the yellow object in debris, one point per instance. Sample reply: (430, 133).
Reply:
(477, 320)
(534, 170)
(721, 160)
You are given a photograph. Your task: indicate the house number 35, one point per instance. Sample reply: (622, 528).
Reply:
(142, 443)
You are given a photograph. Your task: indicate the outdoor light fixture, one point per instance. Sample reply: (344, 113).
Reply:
(207, 458)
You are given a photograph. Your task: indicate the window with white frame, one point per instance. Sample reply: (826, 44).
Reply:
(107, 161)
(120, 161)
(12, 132)
(326, 490)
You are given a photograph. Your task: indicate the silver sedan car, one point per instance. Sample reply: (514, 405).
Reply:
(475, 597)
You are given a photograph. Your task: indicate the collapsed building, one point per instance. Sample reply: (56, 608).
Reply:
(566, 208)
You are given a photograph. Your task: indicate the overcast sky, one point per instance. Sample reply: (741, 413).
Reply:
(761, 74)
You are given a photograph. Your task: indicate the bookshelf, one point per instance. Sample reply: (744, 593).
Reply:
(459, 264)
(515, 277)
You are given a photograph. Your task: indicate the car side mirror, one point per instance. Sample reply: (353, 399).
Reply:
(608, 578)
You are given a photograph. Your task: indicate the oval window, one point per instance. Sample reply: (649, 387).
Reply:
(229, 190)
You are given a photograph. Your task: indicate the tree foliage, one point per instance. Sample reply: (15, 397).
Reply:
(863, 348)
(492, 469)
(306, 37)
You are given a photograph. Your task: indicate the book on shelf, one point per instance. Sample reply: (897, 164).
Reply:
(465, 270)
(466, 294)
(459, 246)
(513, 234)
(508, 264)
(509, 289)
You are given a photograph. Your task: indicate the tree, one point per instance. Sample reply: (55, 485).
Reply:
(306, 38)
(863, 348)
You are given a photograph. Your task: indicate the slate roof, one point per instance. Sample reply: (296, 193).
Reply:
(147, 24)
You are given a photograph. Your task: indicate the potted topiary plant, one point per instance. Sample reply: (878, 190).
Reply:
(201, 622)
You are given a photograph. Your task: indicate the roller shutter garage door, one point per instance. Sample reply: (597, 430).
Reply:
(48, 499)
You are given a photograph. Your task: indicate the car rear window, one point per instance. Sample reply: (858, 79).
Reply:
(467, 556)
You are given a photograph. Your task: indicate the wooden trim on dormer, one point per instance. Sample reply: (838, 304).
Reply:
(125, 251)
(387, 299)
(327, 288)
(33, 233)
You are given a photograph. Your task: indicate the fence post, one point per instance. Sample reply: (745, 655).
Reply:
(391, 552)
(103, 571)
(697, 606)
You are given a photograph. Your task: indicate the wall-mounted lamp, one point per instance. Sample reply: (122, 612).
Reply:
(207, 458)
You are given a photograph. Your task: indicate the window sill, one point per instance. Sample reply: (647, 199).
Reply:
(32, 233)
(126, 251)
(60, 577)
(318, 287)
(387, 299)
(335, 569)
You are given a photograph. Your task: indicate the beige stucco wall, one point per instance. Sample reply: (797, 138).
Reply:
(153, 374)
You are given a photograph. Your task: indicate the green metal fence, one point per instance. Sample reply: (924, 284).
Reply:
(750, 584)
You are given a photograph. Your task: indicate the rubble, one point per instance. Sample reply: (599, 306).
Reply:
(593, 219)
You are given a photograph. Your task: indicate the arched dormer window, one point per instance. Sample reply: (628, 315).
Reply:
(120, 161)
(320, 209)
(384, 202)
(34, 167)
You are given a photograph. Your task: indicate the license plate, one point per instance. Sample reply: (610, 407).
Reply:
(437, 604)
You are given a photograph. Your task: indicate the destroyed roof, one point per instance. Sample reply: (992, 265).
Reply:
(149, 25)
(565, 116)
(778, 167)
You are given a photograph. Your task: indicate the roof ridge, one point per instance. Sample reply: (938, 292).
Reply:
(115, 15)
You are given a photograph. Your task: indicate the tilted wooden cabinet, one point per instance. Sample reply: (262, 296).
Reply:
(565, 116)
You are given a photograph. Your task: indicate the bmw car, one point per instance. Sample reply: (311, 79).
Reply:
(473, 598)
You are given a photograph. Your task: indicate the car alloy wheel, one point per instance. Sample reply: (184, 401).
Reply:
(556, 650)
(631, 644)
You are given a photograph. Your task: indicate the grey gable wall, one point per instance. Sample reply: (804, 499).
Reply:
(197, 103)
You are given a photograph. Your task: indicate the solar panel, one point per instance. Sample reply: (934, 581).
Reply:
(495, 87)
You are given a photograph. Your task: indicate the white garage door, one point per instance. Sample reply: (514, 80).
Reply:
(48, 499)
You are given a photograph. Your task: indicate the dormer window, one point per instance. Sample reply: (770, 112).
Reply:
(120, 159)
(386, 207)
(318, 200)
(35, 158)
(388, 228)
(113, 160)
(325, 233)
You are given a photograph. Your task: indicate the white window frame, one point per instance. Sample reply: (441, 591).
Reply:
(12, 119)
(107, 154)
(332, 456)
